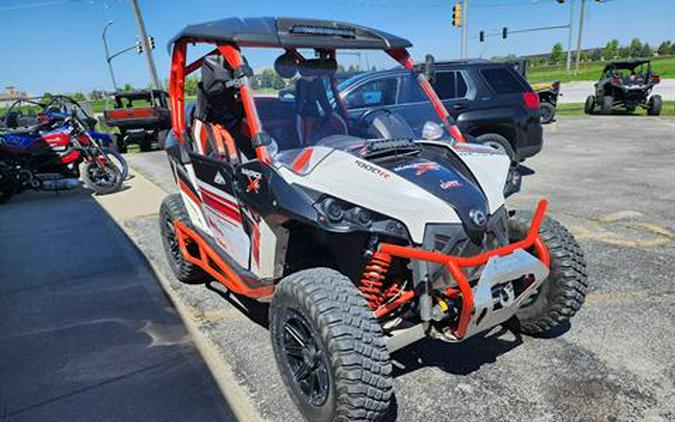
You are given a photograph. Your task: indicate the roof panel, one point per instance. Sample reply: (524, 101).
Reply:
(291, 32)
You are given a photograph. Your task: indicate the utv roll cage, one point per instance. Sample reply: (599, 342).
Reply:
(291, 34)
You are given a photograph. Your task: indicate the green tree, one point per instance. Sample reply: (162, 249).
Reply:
(128, 87)
(96, 94)
(664, 48)
(191, 86)
(46, 97)
(596, 55)
(672, 48)
(646, 51)
(635, 47)
(611, 50)
(79, 97)
(624, 52)
(557, 53)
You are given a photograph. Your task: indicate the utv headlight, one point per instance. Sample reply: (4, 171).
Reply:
(343, 216)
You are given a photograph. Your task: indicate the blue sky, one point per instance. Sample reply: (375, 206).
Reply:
(55, 45)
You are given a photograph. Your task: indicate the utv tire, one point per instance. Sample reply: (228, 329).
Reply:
(497, 142)
(343, 372)
(547, 111)
(172, 208)
(589, 105)
(145, 144)
(654, 105)
(606, 107)
(563, 292)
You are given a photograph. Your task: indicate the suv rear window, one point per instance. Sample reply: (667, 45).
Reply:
(502, 81)
(450, 85)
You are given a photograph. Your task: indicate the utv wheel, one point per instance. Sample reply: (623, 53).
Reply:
(497, 142)
(145, 144)
(654, 105)
(589, 105)
(173, 209)
(563, 292)
(329, 348)
(606, 107)
(547, 111)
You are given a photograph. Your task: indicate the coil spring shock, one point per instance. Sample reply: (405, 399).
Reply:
(372, 282)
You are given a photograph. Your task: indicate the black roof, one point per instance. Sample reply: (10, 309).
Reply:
(626, 64)
(291, 33)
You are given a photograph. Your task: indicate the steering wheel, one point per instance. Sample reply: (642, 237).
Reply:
(361, 120)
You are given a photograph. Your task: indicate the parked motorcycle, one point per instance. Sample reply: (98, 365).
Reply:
(48, 154)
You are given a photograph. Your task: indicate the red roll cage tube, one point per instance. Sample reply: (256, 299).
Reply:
(180, 70)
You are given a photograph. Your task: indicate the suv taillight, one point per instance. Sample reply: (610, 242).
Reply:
(531, 100)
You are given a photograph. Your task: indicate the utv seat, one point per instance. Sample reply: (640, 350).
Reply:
(218, 114)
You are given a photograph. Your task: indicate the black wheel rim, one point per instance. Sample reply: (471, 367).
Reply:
(546, 114)
(172, 240)
(102, 176)
(305, 360)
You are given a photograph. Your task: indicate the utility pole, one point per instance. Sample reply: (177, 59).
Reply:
(465, 27)
(568, 65)
(107, 55)
(146, 44)
(581, 29)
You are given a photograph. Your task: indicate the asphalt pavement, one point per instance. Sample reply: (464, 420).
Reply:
(86, 333)
(609, 179)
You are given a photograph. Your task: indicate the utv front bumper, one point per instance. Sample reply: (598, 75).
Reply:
(478, 309)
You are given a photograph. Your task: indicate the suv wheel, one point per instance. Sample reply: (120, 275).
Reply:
(606, 108)
(547, 111)
(497, 142)
(329, 348)
(654, 105)
(589, 105)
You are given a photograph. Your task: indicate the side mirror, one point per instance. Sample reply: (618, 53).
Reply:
(432, 131)
(430, 68)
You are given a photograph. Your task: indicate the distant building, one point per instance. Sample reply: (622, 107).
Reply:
(11, 94)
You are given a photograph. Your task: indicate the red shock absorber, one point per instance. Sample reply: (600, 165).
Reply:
(374, 274)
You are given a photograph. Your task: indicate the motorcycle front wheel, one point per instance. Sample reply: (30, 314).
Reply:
(102, 178)
(118, 160)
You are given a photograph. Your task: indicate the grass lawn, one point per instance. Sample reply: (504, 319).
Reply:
(577, 109)
(662, 66)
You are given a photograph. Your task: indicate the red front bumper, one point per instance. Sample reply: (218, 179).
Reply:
(454, 265)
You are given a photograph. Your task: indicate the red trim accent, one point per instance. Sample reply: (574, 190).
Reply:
(220, 204)
(255, 244)
(211, 262)
(189, 192)
(301, 160)
(454, 265)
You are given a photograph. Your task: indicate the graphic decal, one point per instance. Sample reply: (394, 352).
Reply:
(254, 178)
(373, 169)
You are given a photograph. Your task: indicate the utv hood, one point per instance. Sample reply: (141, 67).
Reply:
(412, 189)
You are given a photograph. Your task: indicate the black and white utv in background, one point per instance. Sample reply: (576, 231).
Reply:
(362, 236)
(626, 85)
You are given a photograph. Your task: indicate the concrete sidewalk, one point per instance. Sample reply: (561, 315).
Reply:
(86, 333)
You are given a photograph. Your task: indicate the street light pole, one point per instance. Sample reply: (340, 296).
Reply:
(568, 65)
(581, 29)
(465, 28)
(146, 44)
(107, 55)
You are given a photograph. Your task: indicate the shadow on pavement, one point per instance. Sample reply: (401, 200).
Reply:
(86, 333)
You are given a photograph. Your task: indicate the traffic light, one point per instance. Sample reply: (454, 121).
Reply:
(481, 36)
(151, 41)
(457, 15)
(505, 31)
(561, 1)
(139, 47)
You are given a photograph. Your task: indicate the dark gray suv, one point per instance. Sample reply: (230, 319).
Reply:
(491, 102)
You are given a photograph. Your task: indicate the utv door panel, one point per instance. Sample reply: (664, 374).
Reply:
(222, 210)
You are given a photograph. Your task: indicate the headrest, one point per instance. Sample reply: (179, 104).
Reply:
(286, 65)
(215, 75)
(317, 67)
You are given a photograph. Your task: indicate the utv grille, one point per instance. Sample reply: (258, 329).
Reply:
(451, 239)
